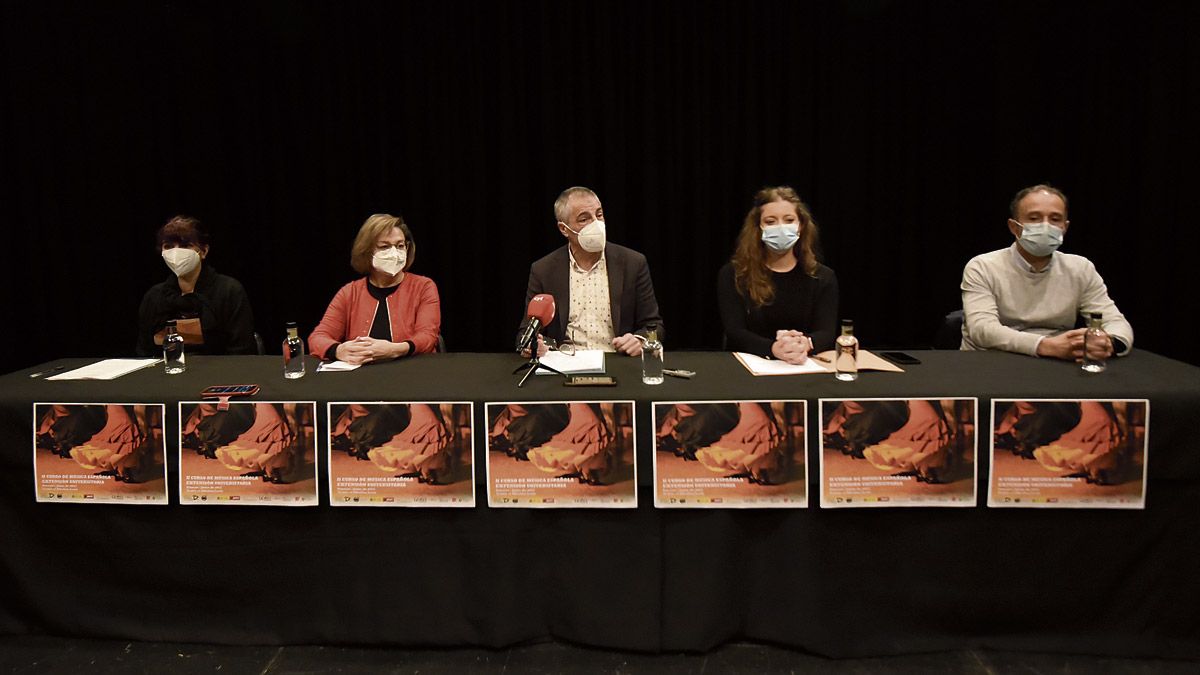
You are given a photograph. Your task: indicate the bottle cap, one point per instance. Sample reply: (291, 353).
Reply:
(1097, 315)
(291, 324)
(171, 323)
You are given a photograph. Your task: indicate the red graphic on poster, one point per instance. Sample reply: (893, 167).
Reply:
(561, 454)
(723, 454)
(108, 453)
(898, 452)
(1069, 453)
(248, 453)
(401, 454)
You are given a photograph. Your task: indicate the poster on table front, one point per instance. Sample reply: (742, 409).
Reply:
(730, 454)
(401, 454)
(99, 453)
(898, 452)
(249, 453)
(1057, 453)
(566, 454)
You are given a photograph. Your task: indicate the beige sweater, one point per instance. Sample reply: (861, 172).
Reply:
(1007, 306)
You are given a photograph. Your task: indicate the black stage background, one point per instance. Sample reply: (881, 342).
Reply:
(907, 127)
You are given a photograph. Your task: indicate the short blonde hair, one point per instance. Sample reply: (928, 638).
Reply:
(372, 229)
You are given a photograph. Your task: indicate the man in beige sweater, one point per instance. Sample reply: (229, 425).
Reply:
(1026, 298)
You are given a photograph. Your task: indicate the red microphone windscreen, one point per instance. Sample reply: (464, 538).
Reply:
(541, 307)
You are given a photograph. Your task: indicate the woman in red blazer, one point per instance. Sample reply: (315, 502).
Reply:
(389, 313)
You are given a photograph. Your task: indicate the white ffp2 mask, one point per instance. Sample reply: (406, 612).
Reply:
(390, 261)
(182, 261)
(591, 237)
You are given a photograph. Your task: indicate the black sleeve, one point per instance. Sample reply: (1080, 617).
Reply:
(825, 314)
(733, 308)
(1119, 345)
(145, 329)
(239, 321)
(646, 316)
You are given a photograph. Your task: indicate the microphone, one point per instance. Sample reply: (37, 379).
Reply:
(539, 313)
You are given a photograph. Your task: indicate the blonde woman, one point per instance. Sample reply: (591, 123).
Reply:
(389, 313)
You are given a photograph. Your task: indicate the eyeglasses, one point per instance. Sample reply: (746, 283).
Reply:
(566, 347)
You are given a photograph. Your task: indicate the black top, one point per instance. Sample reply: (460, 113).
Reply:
(803, 303)
(381, 327)
(219, 301)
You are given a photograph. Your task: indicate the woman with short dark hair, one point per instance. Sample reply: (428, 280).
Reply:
(211, 310)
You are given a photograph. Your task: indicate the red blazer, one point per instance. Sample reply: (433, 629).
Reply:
(415, 310)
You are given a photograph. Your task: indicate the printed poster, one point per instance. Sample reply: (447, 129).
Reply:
(568, 454)
(898, 452)
(260, 453)
(1056, 453)
(100, 453)
(730, 454)
(401, 454)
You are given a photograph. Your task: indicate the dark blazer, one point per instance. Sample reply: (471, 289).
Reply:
(630, 291)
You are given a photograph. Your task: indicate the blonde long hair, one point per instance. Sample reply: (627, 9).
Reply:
(750, 273)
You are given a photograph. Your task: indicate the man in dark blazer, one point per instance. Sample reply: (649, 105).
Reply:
(613, 301)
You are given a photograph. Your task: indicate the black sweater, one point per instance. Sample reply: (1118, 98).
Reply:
(803, 303)
(219, 302)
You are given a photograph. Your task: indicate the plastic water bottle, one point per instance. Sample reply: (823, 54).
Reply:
(1094, 345)
(845, 363)
(174, 360)
(293, 353)
(652, 359)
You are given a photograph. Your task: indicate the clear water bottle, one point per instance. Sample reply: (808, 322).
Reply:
(293, 353)
(1095, 345)
(174, 360)
(845, 363)
(652, 359)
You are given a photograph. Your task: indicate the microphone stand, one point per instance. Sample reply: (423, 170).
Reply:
(534, 363)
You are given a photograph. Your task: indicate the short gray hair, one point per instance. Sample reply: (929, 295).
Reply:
(1040, 187)
(560, 205)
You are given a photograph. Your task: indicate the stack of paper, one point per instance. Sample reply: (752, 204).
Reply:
(108, 369)
(582, 361)
(757, 365)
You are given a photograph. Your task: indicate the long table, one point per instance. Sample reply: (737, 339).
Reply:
(851, 582)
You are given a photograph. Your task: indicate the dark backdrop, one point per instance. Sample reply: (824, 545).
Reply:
(907, 126)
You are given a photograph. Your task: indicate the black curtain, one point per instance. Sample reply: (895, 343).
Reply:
(907, 126)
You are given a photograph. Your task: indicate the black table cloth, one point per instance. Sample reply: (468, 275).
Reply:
(850, 582)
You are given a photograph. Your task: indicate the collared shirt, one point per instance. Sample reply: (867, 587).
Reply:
(589, 319)
(1023, 264)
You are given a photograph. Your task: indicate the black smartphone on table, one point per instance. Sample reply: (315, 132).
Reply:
(900, 358)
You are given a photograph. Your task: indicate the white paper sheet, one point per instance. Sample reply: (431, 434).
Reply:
(336, 367)
(108, 369)
(582, 361)
(757, 365)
